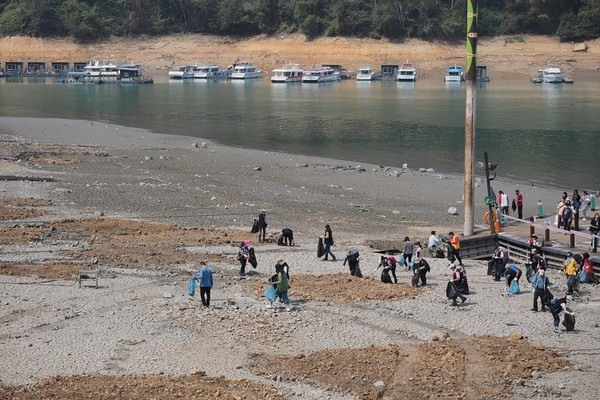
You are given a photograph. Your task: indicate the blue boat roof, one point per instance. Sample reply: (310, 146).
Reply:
(455, 69)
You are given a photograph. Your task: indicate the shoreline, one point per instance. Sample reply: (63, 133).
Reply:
(140, 323)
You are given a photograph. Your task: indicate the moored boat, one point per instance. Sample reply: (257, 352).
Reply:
(407, 72)
(101, 71)
(552, 74)
(245, 70)
(183, 72)
(454, 74)
(211, 71)
(287, 74)
(366, 74)
(320, 74)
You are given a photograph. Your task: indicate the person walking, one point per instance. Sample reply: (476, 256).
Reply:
(455, 246)
(205, 278)
(328, 242)
(586, 202)
(407, 252)
(570, 267)
(540, 283)
(519, 202)
(557, 306)
(262, 226)
(452, 290)
(281, 287)
(243, 256)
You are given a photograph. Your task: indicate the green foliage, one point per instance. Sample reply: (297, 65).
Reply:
(12, 21)
(90, 20)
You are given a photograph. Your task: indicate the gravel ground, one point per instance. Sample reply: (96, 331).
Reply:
(140, 321)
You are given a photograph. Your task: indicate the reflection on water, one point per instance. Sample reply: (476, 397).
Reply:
(528, 129)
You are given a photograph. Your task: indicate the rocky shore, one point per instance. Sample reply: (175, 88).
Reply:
(145, 208)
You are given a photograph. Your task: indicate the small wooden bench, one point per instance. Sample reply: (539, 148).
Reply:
(88, 275)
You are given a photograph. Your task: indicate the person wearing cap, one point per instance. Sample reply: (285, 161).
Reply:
(243, 256)
(519, 202)
(432, 244)
(452, 290)
(328, 242)
(539, 262)
(205, 278)
(571, 267)
(540, 283)
(262, 225)
(557, 306)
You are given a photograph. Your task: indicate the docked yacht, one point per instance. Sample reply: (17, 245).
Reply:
(245, 70)
(101, 71)
(366, 74)
(287, 74)
(183, 72)
(455, 74)
(552, 74)
(320, 74)
(407, 72)
(211, 71)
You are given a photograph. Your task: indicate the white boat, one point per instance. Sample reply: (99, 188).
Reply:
(287, 74)
(455, 74)
(552, 74)
(320, 74)
(366, 74)
(211, 71)
(183, 72)
(407, 72)
(245, 70)
(101, 71)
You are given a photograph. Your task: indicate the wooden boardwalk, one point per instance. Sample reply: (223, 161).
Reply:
(515, 235)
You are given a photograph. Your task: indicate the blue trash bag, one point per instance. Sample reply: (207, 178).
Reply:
(514, 287)
(270, 293)
(192, 287)
(401, 260)
(583, 277)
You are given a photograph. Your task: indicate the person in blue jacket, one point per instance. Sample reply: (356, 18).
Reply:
(205, 278)
(512, 272)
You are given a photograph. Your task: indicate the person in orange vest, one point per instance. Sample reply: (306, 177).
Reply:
(455, 246)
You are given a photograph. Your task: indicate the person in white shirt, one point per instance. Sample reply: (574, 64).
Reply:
(504, 206)
(433, 244)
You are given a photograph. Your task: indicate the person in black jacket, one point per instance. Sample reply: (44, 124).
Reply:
(328, 242)
(262, 226)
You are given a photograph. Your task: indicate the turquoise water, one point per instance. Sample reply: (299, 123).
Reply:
(542, 133)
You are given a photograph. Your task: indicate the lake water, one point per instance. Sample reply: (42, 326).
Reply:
(541, 133)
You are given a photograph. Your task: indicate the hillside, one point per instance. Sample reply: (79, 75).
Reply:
(504, 56)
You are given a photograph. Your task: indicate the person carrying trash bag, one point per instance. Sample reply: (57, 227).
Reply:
(391, 263)
(385, 272)
(353, 263)
(559, 305)
(540, 283)
(452, 290)
(243, 256)
(421, 269)
(512, 274)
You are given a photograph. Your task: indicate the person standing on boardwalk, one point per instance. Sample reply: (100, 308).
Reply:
(455, 246)
(519, 203)
(595, 230)
(503, 202)
(586, 202)
(567, 215)
(262, 225)
(328, 242)
(205, 278)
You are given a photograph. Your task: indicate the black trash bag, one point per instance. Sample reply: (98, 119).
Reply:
(569, 321)
(492, 266)
(356, 272)
(439, 253)
(547, 297)
(451, 290)
(425, 264)
(463, 286)
(529, 272)
(254, 226)
(385, 276)
(320, 248)
(415, 280)
(252, 257)
(280, 241)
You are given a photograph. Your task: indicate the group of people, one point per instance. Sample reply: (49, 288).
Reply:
(505, 205)
(568, 208)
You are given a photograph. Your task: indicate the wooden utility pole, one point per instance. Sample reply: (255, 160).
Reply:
(470, 114)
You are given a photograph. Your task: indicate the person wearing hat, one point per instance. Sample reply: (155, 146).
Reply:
(571, 267)
(452, 289)
(328, 242)
(540, 283)
(262, 225)
(243, 256)
(205, 278)
(557, 306)
(539, 262)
